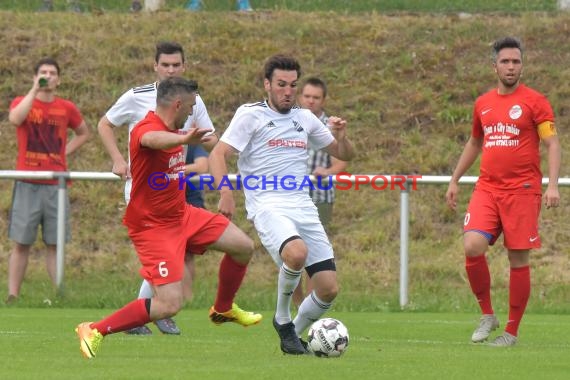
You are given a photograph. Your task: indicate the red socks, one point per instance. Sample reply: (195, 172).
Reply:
(519, 293)
(519, 290)
(230, 277)
(131, 315)
(135, 313)
(480, 281)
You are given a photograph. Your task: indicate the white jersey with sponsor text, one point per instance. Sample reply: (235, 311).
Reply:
(273, 153)
(133, 106)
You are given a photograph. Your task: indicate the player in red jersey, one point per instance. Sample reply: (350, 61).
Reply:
(508, 124)
(163, 226)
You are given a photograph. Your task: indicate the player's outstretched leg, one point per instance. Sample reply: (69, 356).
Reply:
(89, 339)
(236, 315)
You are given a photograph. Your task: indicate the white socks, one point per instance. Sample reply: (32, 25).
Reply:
(310, 310)
(287, 282)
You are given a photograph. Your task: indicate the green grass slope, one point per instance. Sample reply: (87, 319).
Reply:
(405, 83)
(304, 5)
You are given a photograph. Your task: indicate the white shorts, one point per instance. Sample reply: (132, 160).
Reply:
(275, 225)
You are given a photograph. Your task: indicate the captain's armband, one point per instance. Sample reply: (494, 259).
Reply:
(546, 129)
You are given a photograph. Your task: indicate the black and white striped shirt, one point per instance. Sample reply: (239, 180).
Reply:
(320, 158)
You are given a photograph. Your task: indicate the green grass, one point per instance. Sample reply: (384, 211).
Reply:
(314, 5)
(39, 343)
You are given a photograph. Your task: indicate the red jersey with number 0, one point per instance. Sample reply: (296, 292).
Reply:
(510, 160)
(42, 136)
(156, 198)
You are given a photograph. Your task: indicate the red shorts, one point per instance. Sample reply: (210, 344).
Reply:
(515, 215)
(161, 249)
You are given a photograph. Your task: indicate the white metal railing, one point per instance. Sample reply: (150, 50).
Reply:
(62, 178)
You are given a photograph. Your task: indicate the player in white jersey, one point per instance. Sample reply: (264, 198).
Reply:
(131, 108)
(271, 139)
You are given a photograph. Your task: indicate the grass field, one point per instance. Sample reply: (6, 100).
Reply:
(41, 344)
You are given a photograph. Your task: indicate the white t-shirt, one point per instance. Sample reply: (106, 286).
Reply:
(133, 106)
(273, 153)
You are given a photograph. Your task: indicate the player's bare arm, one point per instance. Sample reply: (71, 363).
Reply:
(107, 133)
(551, 197)
(199, 166)
(209, 141)
(218, 169)
(167, 140)
(336, 167)
(341, 147)
(467, 158)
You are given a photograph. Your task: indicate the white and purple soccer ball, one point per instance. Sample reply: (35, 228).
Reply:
(328, 337)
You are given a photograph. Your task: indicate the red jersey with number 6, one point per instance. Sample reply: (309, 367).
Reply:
(510, 160)
(156, 199)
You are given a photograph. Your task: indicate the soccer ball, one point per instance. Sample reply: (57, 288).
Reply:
(328, 337)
